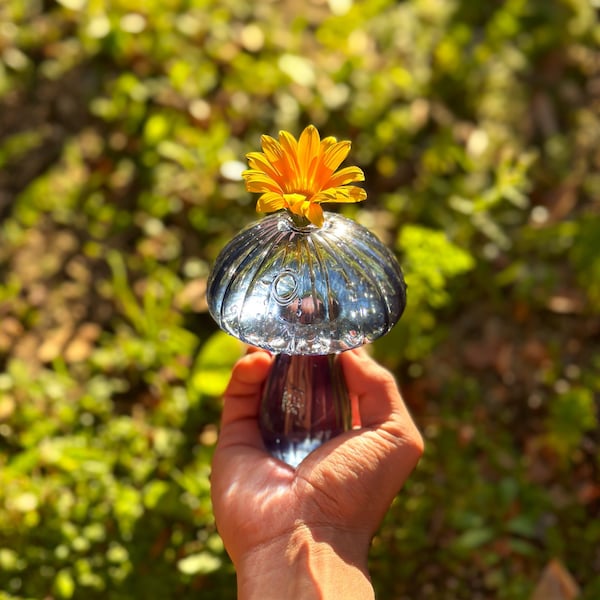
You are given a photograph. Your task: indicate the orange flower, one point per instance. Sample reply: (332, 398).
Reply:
(299, 175)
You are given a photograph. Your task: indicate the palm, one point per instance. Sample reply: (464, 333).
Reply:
(347, 484)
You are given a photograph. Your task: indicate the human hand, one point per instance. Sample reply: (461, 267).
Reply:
(283, 526)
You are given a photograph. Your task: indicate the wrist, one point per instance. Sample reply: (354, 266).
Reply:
(308, 563)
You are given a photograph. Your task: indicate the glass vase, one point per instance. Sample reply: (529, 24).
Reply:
(305, 293)
(305, 403)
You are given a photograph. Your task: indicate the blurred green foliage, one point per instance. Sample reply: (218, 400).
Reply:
(122, 125)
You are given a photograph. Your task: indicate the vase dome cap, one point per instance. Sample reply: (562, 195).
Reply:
(306, 290)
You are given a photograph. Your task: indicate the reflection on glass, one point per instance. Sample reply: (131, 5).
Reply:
(306, 290)
(305, 403)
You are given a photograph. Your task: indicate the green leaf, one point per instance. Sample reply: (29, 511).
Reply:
(473, 538)
(9, 560)
(156, 129)
(571, 415)
(200, 563)
(214, 363)
(64, 584)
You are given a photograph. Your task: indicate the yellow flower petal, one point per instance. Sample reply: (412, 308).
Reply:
(309, 147)
(350, 193)
(259, 182)
(347, 175)
(336, 154)
(329, 195)
(294, 201)
(259, 162)
(315, 214)
(270, 202)
(299, 175)
(272, 148)
(289, 146)
(327, 142)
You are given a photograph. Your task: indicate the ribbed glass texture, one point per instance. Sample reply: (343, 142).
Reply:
(306, 290)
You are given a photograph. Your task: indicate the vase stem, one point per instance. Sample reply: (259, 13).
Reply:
(305, 403)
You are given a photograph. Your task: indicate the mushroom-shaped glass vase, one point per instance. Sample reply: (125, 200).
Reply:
(305, 285)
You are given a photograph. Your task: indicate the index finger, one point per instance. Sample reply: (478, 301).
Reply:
(379, 400)
(242, 395)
